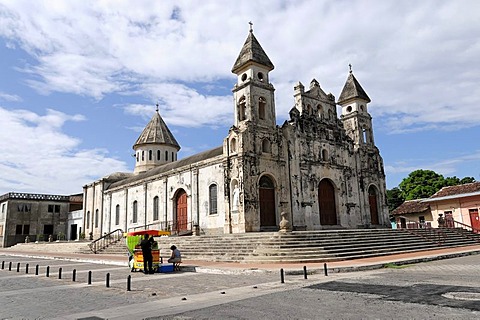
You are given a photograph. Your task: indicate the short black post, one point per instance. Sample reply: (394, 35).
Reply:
(18, 267)
(89, 281)
(325, 269)
(36, 270)
(26, 268)
(305, 272)
(107, 280)
(282, 277)
(129, 280)
(74, 275)
(59, 273)
(47, 274)
(3, 265)
(10, 266)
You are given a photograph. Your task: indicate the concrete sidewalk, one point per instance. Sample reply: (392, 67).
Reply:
(234, 267)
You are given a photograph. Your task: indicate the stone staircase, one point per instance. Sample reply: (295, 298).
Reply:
(315, 246)
(297, 246)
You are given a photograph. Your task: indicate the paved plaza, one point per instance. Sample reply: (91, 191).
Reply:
(441, 289)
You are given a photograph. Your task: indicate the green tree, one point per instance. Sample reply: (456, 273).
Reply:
(421, 184)
(467, 180)
(394, 198)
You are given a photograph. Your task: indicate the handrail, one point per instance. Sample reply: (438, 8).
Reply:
(431, 234)
(173, 227)
(465, 226)
(106, 240)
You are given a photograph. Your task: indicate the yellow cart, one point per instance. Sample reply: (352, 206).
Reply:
(135, 256)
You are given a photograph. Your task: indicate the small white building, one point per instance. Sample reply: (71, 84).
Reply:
(324, 171)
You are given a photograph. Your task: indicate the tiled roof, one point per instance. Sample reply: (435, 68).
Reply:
(156, 132)
(457, 190)
(411, 206)
(352, 90)
(252, 51)
(196, 158)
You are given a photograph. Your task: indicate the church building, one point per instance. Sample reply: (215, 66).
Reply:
(320, 170)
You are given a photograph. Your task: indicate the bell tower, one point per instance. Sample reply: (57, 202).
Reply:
(355, 117)
(253, 93)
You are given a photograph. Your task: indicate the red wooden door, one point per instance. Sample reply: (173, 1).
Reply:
(267, 202)
(474, 219)
(326, 201)
(182, 213)
(372, 200)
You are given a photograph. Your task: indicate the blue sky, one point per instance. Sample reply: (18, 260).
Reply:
(80, 79)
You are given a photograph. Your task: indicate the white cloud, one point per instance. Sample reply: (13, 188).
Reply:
(10, 97)
(32, 142)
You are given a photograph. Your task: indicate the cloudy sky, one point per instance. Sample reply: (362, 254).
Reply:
(80, 79)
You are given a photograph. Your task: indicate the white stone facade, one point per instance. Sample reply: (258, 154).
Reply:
(322, 170)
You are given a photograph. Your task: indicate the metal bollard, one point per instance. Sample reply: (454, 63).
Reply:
(26, 268)
(282, 277)
(18, 267)
(107, 280)
(47, 274)
(129, 280)
(305, 272)
(36, 270)
(74, 275)
(325, 269)
(89, 281)
(10, 266)
(59, 273)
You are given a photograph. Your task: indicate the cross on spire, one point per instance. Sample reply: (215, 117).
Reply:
(251, 26)
(350, 66)
(157, 107)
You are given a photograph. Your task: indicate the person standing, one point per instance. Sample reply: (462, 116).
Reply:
(146, 246)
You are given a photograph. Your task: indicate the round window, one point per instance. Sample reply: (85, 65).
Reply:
(260, 76)
(349, 109)
(244, 77)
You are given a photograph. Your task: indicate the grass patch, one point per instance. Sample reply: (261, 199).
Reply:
(395, 266)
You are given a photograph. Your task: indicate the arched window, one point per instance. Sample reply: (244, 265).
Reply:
(158, 155)
(150, 155)
(88, 220)
(242, 109)
(319, 111)
(330, 115)
(266, 148)
(173, 159)
(96, 218)
(324, 155)
(262, 105)
(117, 214)
(233, 145)
(166, 155)
(137, 156)
(135, 212)
(212, 196)
(309, 109)
(364, 135)
(143, 155)
(155, 208)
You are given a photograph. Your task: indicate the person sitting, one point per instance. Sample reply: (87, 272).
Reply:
(176, 257)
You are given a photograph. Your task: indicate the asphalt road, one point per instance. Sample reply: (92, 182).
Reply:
(445, 289)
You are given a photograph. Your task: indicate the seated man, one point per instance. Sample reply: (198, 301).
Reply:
(176, 257)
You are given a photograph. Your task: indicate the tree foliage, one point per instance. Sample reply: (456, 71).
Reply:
(421, 184)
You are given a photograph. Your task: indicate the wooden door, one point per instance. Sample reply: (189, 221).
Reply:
(372, 200)
(267, 203)
(474, 220)
(326, 201)
(181, 223)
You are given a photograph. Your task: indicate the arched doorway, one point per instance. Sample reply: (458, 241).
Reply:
(372, 201)
(326, 203)
(267, 202)
(181, 221)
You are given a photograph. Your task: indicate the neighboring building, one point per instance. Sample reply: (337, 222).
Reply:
(413, 214)
(75, 218)
(322, 170)
(34, 215)
(460, 202)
